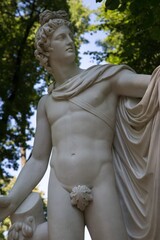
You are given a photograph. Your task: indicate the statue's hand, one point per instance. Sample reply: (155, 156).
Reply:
(22, 230)
(6, 207)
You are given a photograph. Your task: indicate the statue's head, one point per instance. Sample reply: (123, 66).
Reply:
(50, 21)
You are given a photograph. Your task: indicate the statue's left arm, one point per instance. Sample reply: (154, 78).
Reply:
(131, 84)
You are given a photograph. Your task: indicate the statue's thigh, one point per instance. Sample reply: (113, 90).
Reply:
(64, 221)
(103, 216)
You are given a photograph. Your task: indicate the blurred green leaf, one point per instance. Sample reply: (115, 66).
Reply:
(111, 4)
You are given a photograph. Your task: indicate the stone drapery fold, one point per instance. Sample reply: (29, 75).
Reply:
(136, 155)
(77, 84)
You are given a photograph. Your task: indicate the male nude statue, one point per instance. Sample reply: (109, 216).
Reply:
(80, 142)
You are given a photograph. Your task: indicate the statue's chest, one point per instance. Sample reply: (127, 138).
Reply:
(95, 96)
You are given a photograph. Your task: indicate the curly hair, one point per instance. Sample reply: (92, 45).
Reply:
(49, 21)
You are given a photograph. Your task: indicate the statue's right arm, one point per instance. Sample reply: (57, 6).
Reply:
(34, 169)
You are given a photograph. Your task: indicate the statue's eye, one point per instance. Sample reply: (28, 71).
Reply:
(60, 37)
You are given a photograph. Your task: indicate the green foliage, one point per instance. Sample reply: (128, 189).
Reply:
(4, 228)
(133, 33)
(110, 4)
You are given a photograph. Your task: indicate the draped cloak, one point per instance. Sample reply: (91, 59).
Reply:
(136, 147)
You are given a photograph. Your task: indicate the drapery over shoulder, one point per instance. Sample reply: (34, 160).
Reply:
(136, 155)
(87, 78)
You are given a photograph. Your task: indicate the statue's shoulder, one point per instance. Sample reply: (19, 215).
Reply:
(42, 102)
(100, 68)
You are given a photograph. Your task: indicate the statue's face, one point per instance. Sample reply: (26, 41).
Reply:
(62, 45)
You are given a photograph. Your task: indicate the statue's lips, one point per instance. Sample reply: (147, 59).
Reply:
(69, 49)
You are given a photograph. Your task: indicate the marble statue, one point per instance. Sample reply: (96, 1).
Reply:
(101, 128)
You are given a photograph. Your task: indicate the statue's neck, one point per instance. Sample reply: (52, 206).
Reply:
(62, 73)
